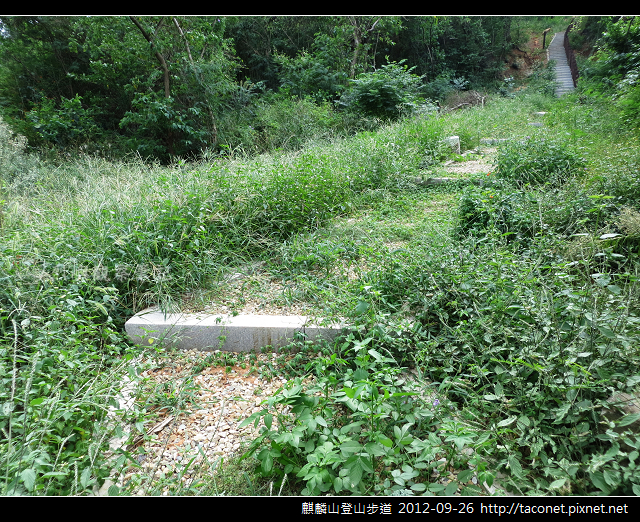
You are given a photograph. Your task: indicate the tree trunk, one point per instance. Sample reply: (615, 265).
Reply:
(356, 51)
(170, 139)
(359, 36)
(186, 42)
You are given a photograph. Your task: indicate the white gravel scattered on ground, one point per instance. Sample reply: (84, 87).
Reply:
(208, 430)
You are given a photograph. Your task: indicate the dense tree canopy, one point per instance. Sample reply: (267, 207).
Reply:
(174, 85)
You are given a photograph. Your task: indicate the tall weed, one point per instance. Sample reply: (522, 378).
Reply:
(537, 160)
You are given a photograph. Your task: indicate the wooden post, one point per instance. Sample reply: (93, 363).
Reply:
(544, 36)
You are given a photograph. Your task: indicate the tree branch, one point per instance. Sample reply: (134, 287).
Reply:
(374, 25)
(160, 24)
(175, 21)
(163, 63)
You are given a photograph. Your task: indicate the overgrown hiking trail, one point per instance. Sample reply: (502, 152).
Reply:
(413, 270)
(227, 391)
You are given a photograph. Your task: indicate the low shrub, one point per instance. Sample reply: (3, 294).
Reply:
(537, 160)
(18, 168)
(385, 93)
(68, 124)
(289, 122)
(361, 428)
(496, 208)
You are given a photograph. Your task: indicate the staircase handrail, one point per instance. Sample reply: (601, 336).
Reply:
(571, 59)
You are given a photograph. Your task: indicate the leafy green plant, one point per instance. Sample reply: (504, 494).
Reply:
(481, 210)
(173, 396)
(497, 209)
(312, 74)
(354, 430)
(287, 123)
(385, 93)
(70, 123)
(543, 78)
(162, 129)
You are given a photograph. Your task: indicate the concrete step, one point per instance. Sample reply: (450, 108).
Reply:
(556, 52)
(204, 331)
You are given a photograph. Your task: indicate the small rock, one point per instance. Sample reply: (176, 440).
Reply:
(492, 141)
(454, 143)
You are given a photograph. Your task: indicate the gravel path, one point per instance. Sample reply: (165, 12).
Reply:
(205, 426)
(215, 402)
(482, 162)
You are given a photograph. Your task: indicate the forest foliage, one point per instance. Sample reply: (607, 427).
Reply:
(613, 67)
(168, 86)
(175, 86)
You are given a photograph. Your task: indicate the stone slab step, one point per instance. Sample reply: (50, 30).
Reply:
(239, 333)
(442, 181)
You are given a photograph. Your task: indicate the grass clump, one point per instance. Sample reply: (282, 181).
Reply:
(537, 160)
(496, 209)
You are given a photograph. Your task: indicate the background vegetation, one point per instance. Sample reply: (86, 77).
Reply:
(175, 86)
(131, 176)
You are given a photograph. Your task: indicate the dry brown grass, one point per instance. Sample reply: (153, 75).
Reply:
(629, 222)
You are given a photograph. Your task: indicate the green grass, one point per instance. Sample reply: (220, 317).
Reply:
(515, 304)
